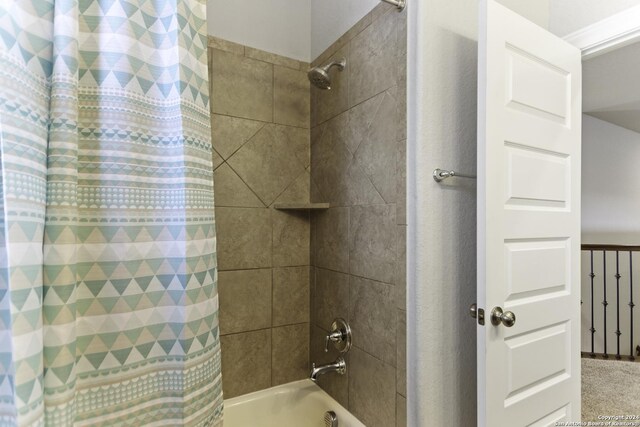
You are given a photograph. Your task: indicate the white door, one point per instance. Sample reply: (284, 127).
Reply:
(529, 108)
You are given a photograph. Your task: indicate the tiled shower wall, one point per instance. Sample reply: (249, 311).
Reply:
(358, 140)
(260, 137)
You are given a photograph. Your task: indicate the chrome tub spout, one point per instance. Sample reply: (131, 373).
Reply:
(339, 366)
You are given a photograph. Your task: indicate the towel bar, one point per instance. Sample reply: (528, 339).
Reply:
(440, 175)
(399, 4)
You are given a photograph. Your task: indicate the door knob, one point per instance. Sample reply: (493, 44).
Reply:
(473, 310)
(507, 318)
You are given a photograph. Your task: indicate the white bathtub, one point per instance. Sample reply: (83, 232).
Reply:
(297, 404)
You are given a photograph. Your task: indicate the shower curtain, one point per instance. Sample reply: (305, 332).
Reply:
(108, 295)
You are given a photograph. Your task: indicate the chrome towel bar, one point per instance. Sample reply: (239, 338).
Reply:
(440, 175)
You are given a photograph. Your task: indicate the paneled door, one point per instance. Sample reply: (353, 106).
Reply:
(529, 143)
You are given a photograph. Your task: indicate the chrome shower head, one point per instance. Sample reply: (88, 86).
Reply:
(319, 76)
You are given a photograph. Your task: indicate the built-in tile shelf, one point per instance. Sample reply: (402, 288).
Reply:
(301, 206)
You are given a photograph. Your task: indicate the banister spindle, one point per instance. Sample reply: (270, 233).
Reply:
(592, 329)
(631, 305)
(604, 301)
(618, 333)
(601, 347)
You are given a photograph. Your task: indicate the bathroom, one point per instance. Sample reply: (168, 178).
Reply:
(203, 213)
(320, 213)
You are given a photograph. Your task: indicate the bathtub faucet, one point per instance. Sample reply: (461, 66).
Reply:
(339, 366)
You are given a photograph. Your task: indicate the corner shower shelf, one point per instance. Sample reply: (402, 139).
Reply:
(301, 206)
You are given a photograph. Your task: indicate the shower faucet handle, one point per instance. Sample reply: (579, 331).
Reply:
(333, 337)
(339, 335)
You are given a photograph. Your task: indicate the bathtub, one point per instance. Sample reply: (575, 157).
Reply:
(296, 404)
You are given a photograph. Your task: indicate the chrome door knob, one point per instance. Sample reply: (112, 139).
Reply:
(507, 318)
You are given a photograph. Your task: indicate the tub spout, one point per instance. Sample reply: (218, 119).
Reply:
(339, 366)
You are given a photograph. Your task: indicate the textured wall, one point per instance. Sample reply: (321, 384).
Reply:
(442, 217)
(609, 216)
(260, 136)
(441, 246)
(358, 166)
(609, 211)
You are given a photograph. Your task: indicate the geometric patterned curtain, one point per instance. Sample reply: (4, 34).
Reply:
(108, 277)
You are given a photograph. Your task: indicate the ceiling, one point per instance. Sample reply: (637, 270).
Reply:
(567, 16)
(611, 87)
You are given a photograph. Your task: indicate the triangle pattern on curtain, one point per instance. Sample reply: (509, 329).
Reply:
(108, 293)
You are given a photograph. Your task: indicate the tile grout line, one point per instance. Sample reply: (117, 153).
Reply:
(262, 329)
(264, 122)
(244, 54)
(271, 235)
(293, 181)
(353, 106)
(356, 276)
(271, 307)
(349, 294)
(248, 186)
(263, 268)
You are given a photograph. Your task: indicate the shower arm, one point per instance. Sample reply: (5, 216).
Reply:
(400, 4)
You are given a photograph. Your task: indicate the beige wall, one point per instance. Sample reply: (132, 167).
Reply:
(260, 137)
(358, 139)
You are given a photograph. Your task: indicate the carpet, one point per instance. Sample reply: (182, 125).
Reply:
(610, 387)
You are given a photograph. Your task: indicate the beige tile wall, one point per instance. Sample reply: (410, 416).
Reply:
(260, 135)
(284, 276)
(358, 146)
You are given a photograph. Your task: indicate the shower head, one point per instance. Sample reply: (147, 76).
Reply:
(319, 76)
